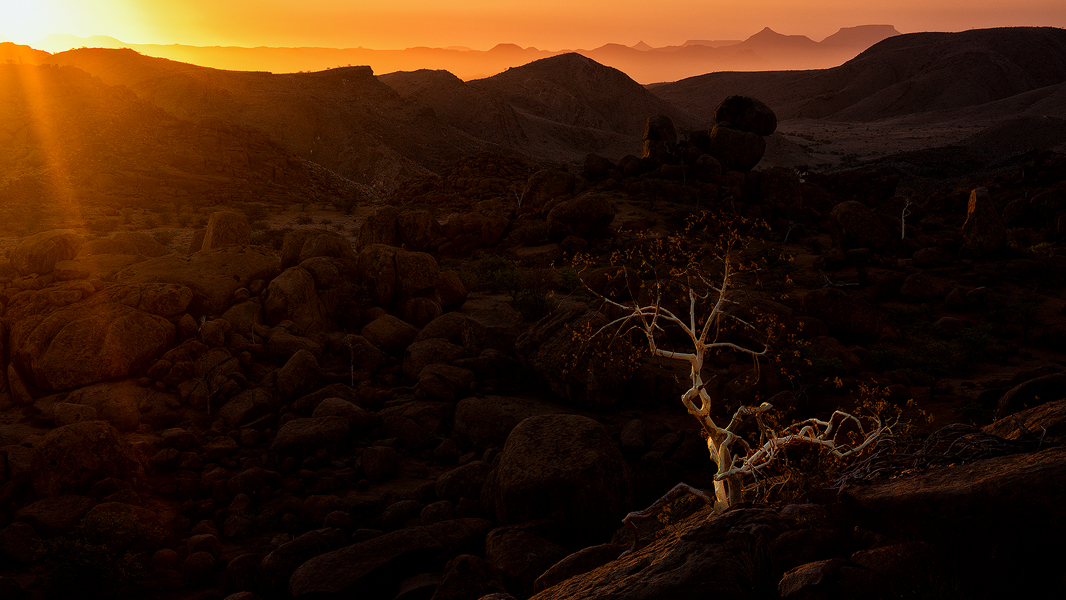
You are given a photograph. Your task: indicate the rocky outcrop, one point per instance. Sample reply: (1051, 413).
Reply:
(727, 555)
(226, 228)
(212, 275)
(659, 139)
(983, 233)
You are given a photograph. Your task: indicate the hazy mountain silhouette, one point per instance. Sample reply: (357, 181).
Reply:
(762, 51)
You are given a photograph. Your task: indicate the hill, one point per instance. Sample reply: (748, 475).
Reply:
(557, 108)
(901, 75)
(343, 119)
(68, 143)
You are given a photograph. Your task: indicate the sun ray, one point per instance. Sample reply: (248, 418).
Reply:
(50, 194)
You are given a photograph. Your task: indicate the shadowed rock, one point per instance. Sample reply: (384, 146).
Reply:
(564, 467)
(73, 457)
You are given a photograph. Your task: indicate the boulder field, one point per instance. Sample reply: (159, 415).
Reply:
(341, 417)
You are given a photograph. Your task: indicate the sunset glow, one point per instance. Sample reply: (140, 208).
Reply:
(481, 24)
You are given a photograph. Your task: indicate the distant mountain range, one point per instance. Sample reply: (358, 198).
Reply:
(766, 50)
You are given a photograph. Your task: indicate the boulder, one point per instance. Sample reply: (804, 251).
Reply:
(543, 187)
(445, 382)
(468, 231)
(246, 406)
(245, 316)
(380, 462)
(465, 481)
(419, 230)
(393, 274)
(307, 435)
(69, 459)
(451, 290)
(586, 216)
(983, 233)
(427, 352)
(486, 421)
(389, 333)
(1047, 421)
(291, 296)
(564, 467)
(1006, 510)
(65, 413)
(118, 403)
(358, 419)
(396, 555)
(303, 244)
(1032, 393)
(56, 515)
(39, 253)
(736, 150)
(225, 228)
(212, 275)
(299, 375)
(855, 225)
(596, 167)
(746, 114)
(590, 373)
(88, 342)
(420, 310)
(379, 228)
(919, 287)
(659, 138)
(521, 556)
(467, 576)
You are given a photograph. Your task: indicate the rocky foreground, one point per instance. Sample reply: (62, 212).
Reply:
(343, 418)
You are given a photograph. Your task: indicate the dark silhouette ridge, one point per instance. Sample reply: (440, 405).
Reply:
(901, 75)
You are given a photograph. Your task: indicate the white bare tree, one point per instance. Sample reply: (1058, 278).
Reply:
(708, 311)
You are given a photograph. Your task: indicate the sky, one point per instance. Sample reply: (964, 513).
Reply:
(481, 24)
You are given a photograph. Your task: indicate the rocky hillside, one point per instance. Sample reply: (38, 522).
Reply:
(71, 146)
(412, 411)
(343, 119)
(558, 108)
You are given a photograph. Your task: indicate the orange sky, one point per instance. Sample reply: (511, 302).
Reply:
(481, 24)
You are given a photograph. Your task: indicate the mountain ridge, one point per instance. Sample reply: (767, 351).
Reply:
(643, 65)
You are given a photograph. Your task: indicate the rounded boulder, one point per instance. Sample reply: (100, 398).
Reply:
(561, 466)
